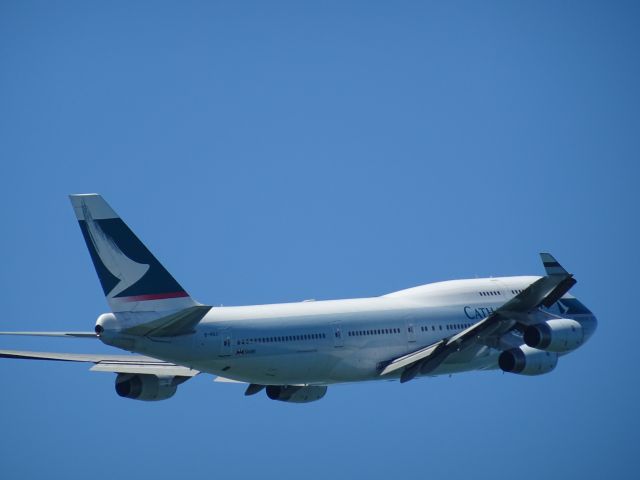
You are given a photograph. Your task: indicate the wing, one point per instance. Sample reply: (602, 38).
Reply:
(108, 363)
(518, 311)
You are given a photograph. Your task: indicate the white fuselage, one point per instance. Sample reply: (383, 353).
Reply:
(325, 342)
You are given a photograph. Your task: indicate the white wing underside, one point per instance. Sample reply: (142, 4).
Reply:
(109, 363)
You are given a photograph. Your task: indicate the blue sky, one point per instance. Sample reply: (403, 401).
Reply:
(271, 152)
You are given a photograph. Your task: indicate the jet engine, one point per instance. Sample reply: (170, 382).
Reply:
(561, 335)
(527, 361)
(296, 394)
(147, 387)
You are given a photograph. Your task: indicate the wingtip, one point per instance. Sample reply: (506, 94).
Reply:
(551, 265)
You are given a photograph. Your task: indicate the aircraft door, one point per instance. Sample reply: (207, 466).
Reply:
(337, 334)
(411, 333)
(226, 341)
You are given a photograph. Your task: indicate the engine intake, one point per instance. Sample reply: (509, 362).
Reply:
(527, 361)
(294, 394)
(147, 387)
(560, 335)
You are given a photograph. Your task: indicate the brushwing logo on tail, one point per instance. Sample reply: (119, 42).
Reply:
(114, 260)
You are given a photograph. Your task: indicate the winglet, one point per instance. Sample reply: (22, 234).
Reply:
(551, 265)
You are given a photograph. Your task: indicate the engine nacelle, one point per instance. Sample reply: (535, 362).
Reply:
(527, 361)
(560, 335)
(146, 387)
(293, 394)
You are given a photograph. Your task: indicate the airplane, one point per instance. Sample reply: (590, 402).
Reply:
(294, 351)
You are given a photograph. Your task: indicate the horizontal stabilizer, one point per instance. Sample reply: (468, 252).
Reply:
(61, 357)
(54, 334)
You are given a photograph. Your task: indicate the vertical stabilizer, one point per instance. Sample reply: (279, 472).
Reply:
(131, 277)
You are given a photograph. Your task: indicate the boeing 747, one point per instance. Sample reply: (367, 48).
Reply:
(294, 351)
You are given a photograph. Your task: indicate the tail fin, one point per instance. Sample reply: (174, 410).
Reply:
(131, 277)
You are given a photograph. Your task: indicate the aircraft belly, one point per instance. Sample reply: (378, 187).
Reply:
(315, 366)
(310, 367)
(479, 358)
(361, 363)
(279, 369)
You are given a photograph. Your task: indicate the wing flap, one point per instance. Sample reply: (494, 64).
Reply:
(168, 369)
(226, 380)
(413, 357)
